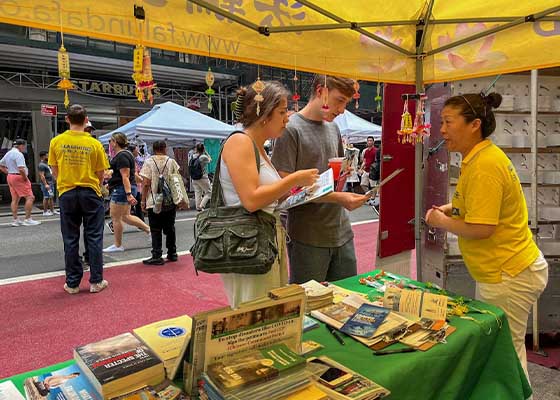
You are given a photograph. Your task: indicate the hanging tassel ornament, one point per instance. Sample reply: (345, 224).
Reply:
(142, 74)
(356, 95)
(406, 125)
(237, 107)
(378, 97)
(258, 87)
(295, 96)
(325, 96)
(64, 73)
(420, 129)
(210, 91)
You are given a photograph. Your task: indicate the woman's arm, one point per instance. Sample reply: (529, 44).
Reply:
(436, 218)
(239, 156)
(125, 174)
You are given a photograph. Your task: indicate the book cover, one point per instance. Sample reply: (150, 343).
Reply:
(168, 339)
(254, 366)
(118, 363)
(68, 383)
(365, 321)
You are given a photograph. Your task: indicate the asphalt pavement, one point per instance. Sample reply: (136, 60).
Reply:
(30, 250)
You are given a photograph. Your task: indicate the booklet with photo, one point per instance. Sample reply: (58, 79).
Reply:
(365, 321)
(324, 186)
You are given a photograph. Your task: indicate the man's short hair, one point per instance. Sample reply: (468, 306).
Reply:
(343, 85)
(159, 146)
(43, 153)
(19, 142)
(371, 137)
(76, 114)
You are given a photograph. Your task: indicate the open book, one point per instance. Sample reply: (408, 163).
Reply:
(324, 186)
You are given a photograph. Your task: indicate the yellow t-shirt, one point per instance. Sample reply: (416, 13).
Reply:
(489, 192)
(78, 157)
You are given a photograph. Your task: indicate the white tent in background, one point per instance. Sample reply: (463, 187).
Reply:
(355, 129)
(174, 123)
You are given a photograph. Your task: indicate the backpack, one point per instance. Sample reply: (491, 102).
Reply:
(195, 168)
(163, 201)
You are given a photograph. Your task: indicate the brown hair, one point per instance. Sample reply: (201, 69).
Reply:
(477, 105)
(120, 139)
(343, 85)
(159, 146)
(273, 93)
(76, 114)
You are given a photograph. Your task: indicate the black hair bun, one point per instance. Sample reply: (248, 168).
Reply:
(494, 100)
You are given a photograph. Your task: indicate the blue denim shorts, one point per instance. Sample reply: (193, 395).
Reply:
(118, 195)
(45, 192)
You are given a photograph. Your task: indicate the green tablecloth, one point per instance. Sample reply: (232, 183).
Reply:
(472, 365)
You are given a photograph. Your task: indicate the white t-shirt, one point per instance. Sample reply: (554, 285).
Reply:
(13, 160)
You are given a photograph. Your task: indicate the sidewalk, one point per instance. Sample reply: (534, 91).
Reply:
(5, 210)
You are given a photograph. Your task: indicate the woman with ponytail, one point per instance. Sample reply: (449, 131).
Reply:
(489, 215)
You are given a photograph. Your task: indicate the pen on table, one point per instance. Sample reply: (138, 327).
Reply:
(335, 334)
(395, 351)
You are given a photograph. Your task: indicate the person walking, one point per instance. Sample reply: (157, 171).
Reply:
(322, 241)
(78, 163)
(163, 222)
(137, 208)
(258, 189)
(122, 186)
(489, 215)
(198, 170)
(47, 185)
(13, 164)
(367, 158)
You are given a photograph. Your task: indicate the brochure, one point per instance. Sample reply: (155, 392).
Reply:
(324, 186)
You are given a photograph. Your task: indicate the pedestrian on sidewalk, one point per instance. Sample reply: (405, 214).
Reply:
(78, 162)
(122, 186)
(163, 222)
(13, 164)
(198, 170)
(137, 208)
(47, 185)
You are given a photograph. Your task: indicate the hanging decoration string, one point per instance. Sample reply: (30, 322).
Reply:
(356, 95)
(64, 65)
(142, 61)
(378, 94)
(295, 96)
(209, 80)
(258, 87)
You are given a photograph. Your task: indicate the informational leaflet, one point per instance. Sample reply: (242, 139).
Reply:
(8, 391)
(322, 187)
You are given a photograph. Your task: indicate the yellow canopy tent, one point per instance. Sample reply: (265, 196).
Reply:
(364, 39)
(398, 41)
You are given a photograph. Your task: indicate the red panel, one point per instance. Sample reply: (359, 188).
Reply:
(397, 196)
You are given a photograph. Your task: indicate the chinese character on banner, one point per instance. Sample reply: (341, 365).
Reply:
(231, 6)
(279, 12)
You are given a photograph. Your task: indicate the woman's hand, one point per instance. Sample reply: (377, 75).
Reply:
(306, 177)
(131, 200)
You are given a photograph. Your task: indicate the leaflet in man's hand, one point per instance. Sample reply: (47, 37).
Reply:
(322, 187)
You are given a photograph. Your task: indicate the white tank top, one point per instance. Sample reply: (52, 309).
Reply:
(267, 176)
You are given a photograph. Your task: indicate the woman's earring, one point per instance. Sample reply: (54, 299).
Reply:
(264, 122)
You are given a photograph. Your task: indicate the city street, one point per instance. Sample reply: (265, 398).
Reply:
(38, 249)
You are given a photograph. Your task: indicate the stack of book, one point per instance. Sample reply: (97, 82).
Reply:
(270, 373)
(119, 365)
(317, 295)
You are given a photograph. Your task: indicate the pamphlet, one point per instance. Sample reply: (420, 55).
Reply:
(416, 303)
(8, 391)
(322, 187)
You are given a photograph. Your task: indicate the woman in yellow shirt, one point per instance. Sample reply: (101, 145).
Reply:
(489, 215)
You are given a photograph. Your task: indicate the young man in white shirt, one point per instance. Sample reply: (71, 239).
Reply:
(13, 164)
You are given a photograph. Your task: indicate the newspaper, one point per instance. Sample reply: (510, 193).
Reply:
(324, 186)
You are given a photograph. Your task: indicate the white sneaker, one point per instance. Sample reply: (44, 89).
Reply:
(98, 287)
(70, 290)
(30, 222)
(113, 249)
(16, 222)
(57, 212)
(47, 214)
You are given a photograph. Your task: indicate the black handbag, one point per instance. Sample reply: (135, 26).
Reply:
(232, 239)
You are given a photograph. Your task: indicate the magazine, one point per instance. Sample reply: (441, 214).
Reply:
(365, 321)
(324, 186)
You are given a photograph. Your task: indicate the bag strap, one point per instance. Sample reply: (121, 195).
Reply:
(164, 166)
(217, 199)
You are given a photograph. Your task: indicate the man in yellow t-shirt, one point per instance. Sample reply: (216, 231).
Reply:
(78, 162)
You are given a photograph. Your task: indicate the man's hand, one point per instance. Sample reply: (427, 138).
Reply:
(351, 201)
(4, 169)
(435, 217)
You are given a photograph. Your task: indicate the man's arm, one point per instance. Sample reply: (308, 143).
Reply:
(43, 179)
(54, 169)
(100, 175)
(436, 218)
(4, 169)
(22, 173)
